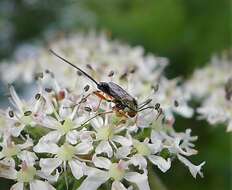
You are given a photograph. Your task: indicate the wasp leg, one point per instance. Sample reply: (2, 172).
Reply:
(102, 97)
(136, 120)
(160, 112)
(83, 99)
(98, 106)
(119, 112)
(98, 114)
(143, 104)
(98, 94)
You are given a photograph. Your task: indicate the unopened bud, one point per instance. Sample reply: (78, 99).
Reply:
(88, 109)
(79, 73)
(11, 113)
(27, 113)
(86, 88)
(37, 96)
(48, 90)
(89, 66)
(111, 73)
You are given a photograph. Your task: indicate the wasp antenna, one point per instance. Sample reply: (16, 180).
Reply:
(148, 107)
(65, 60)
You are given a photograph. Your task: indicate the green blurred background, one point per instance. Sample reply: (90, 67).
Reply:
(188, 32)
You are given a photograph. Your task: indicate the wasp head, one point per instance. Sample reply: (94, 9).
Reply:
(104, 87)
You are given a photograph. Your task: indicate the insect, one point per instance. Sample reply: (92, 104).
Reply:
(124, 102)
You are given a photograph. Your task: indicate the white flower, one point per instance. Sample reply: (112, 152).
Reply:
(115, 171)
(8, 127)
(7, 169)
(217, 110)
(76, 130)
(85, 49)
(65, 154)
(28, 174)
(149, 150)
(65, 125)
(212, 84)
(192, 168)
(169, 94)
(179, 144)
(107, 136)
(25, 113)
(206, 80)
(10, 149)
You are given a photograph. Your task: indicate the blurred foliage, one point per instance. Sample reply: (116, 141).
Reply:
(187, 32)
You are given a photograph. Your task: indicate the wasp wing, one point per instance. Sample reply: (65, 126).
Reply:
(119, 93)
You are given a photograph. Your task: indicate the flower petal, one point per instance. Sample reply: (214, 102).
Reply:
(50, 178)
(43, 147)
(123, 152)
(94, 180)
(27, 144)
(162, 164)
(38, 184)
(8, 169)
(138, 160)
(72, 137)
(76, 168)
(104, 147)
(16, 100)
(97, 123)
(116, 185)
(48, 165)
(17, 186)
(101, 162)
(194, 170)
(83, 148)
(141, 180)
(15, 131)
(28, 157)
(122, 140)
(184, 110)
(156, 146)
(51, 137)
(48, 121)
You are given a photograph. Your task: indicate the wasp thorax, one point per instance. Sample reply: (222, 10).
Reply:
(104, 87)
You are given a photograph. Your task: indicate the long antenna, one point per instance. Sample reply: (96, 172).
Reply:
(65, 60)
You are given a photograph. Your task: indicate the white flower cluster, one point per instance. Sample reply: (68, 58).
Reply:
(104, 60)
(70, 130)
(213, 85)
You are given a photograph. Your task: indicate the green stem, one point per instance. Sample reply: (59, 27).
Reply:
(154, 180)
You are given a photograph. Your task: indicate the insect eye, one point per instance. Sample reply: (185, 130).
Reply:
(103, 86)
